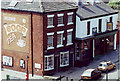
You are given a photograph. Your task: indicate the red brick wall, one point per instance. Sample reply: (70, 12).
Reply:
(17, 55)
(37, 42)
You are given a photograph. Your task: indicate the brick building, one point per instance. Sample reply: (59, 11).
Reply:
(43, 31)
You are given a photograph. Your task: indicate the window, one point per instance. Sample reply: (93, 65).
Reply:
(50, 40)
(50, 21)
(22, 63)
(69, 36)
(100, 25)
(70, 17)
(60, 39)
(64, 59)
(60, 20)
(88, 27)
(110, 19)
(49, 62)
(7, 61)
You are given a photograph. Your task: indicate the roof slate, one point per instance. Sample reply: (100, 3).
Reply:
(37, 6)
(98, 9)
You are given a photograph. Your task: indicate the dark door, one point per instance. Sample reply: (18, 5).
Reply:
(56, 63)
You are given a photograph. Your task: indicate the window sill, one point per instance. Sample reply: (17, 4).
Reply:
(49, 69)
(60, 25)
(60, 46)
(69, 23)
(50, 26)
(69, 44)
(64, 65)
(50, 48)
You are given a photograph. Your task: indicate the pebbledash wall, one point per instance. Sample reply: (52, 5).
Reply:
(17, 44)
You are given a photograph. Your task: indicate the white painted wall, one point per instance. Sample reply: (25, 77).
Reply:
(81, 26)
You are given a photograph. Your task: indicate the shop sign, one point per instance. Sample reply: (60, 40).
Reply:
(16, 32)
(109, 26)
(37, 66)
(10, 28)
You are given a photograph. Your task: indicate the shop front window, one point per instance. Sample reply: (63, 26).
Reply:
(64, 59)
(49, 62)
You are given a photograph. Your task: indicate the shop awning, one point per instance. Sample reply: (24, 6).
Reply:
(105, 34)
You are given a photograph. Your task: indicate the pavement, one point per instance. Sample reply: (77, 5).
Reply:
(72, 73)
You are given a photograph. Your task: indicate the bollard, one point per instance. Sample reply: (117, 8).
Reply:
(7, 77)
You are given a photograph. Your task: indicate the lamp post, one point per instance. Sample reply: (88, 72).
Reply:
(27, 75)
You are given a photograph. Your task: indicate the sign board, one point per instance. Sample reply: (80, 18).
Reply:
(15, 35)
(109, 26)
(37, 66)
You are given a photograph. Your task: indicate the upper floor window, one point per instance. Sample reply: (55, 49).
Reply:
(110, 19)
(88, 27)
(60, 39)
(50, 40)
(60, 20)
(69, 36)
(22, 63)
(50, 21)
(64, 59)
(100, 25)
(70, 18)
(49, 62)
(7, 61)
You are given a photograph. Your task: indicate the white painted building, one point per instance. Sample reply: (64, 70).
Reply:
(95, 31)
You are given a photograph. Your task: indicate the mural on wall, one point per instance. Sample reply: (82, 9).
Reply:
(16, 32)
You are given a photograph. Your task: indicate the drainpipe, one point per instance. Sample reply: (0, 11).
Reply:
(115, 41)
(32, 44)
(93, 48)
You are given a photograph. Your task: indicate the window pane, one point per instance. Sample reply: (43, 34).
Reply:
(60, 20)
(64, 59)
(69, 37)
(50, 21)
(69, 18)
(59, 39)
(50, 41)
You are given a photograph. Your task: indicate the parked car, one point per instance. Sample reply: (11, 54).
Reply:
(91, 74)
(106, 66)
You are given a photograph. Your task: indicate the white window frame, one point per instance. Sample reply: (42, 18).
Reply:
(48, 34)
(7, 60)
(70, 30)
(59, 15)
(47, 62)
(50, 16)
(71, 13)
(60, 58)
(60, 32)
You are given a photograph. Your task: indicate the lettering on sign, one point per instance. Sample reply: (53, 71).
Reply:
(11, 38)
(15, 28)
(9, 18)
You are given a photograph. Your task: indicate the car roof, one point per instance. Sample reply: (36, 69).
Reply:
(104, 62)
(87, 72)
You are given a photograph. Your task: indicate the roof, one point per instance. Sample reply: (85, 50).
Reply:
(37, 6)
(96, 10)
(87, 72)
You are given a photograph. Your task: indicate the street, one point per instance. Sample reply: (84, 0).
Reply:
(75, 73)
